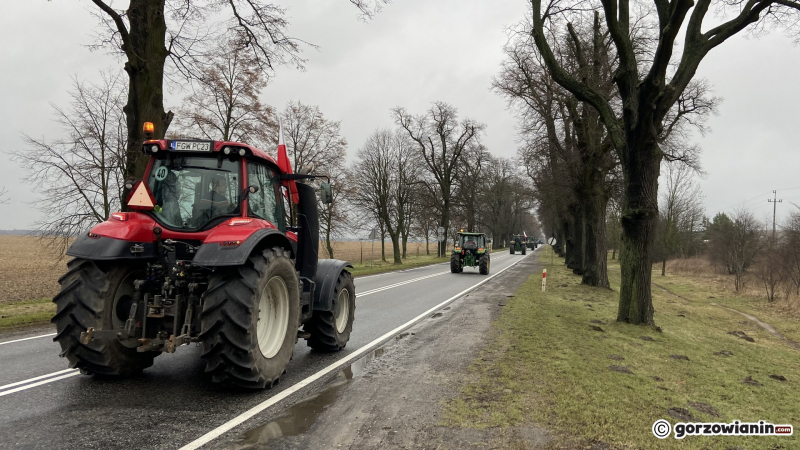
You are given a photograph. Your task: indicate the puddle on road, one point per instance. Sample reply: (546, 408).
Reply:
(299, 418)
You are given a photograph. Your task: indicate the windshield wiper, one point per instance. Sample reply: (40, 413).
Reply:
(200, 167)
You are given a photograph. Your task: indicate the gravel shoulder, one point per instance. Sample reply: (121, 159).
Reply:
(394, 399)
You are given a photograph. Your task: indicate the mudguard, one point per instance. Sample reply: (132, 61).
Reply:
(216, 254)
(328, 271)
(105, 248)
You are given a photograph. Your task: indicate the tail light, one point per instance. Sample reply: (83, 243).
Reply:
(121, 216)
(480, 249)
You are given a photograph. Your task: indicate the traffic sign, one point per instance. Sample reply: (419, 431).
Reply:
(551, 241)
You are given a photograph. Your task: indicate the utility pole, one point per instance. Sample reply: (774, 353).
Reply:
(774, 202)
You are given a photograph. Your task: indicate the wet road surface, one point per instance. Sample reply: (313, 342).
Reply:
(173, 403)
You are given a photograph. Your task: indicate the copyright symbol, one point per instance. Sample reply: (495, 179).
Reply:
(661, 428)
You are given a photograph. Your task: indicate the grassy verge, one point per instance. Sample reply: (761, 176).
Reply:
(29, 312)
(548, 363)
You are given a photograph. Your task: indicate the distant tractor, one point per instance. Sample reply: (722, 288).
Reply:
(470, 251)
(517, 244)
(220, 250)
(531, 243)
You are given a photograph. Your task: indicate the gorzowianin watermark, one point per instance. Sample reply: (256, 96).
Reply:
(662, 429)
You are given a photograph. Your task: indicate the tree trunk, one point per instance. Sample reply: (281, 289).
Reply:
(145, 67)
(574, 258)
(383, 246)
(595, 271)
(396, 248)
(641, 165)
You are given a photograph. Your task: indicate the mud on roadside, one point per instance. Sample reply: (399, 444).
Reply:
(393, 398)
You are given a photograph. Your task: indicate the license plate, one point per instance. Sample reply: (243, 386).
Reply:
(191, 146)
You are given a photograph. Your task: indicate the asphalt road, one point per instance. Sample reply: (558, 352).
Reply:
(173, 403)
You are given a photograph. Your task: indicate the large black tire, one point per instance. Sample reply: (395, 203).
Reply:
(523, 249)
(231, 314)
(511, 249)
(455, 263)
(87, 300)
(483, 264)
(330, 330)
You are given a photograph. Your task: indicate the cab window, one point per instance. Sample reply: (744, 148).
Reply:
(264, 204)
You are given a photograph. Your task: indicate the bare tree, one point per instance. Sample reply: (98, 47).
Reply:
(311, 139)
(149, 34)
(315, 143)
(374, 169)
(334, 217)
(225, 105)
(681, 209)
(769, 270)
(441, 140)
(735, 243)
(79, 176)
(471, 182)
(653, 71)
(3, 193)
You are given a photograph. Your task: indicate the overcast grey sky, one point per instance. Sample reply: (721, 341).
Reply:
(413, 53)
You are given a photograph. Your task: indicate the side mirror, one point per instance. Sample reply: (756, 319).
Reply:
(249, 190)
(326, 193)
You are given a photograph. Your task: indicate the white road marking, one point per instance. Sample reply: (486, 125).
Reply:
(238, 420)
(26, 339)
(60, 375)
(383, 288)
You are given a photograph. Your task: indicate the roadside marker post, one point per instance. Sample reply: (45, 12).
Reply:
(544, 279)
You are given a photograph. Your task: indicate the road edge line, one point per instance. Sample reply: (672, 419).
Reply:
(27, 338)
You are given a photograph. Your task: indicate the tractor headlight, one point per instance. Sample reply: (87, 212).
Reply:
(154, 148)
(242, 152)
(226, 150)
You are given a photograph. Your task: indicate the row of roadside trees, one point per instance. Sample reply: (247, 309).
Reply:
(431, 170)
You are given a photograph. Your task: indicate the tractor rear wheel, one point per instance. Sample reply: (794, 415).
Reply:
(330, 330)
(511, 249)
(483, 265)
(95, 297)
(455, 263)
(523, 249)
(249, 320)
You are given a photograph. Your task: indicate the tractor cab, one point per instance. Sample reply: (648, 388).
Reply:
(517, 244)
(469, 251)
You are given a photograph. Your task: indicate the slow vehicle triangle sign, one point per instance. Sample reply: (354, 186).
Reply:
(141, 197)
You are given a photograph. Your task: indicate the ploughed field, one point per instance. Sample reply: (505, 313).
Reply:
(28, 270)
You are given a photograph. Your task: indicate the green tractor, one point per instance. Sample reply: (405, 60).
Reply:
(470, 251)
(517, 244)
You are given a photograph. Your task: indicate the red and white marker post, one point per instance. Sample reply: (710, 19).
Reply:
(544, 279)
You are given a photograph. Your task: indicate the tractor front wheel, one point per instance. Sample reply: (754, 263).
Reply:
(483, 265)
(100, 298)
(330, 330)
(249, 320)
(455, 263)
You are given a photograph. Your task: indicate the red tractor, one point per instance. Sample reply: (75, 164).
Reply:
(220, 249)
